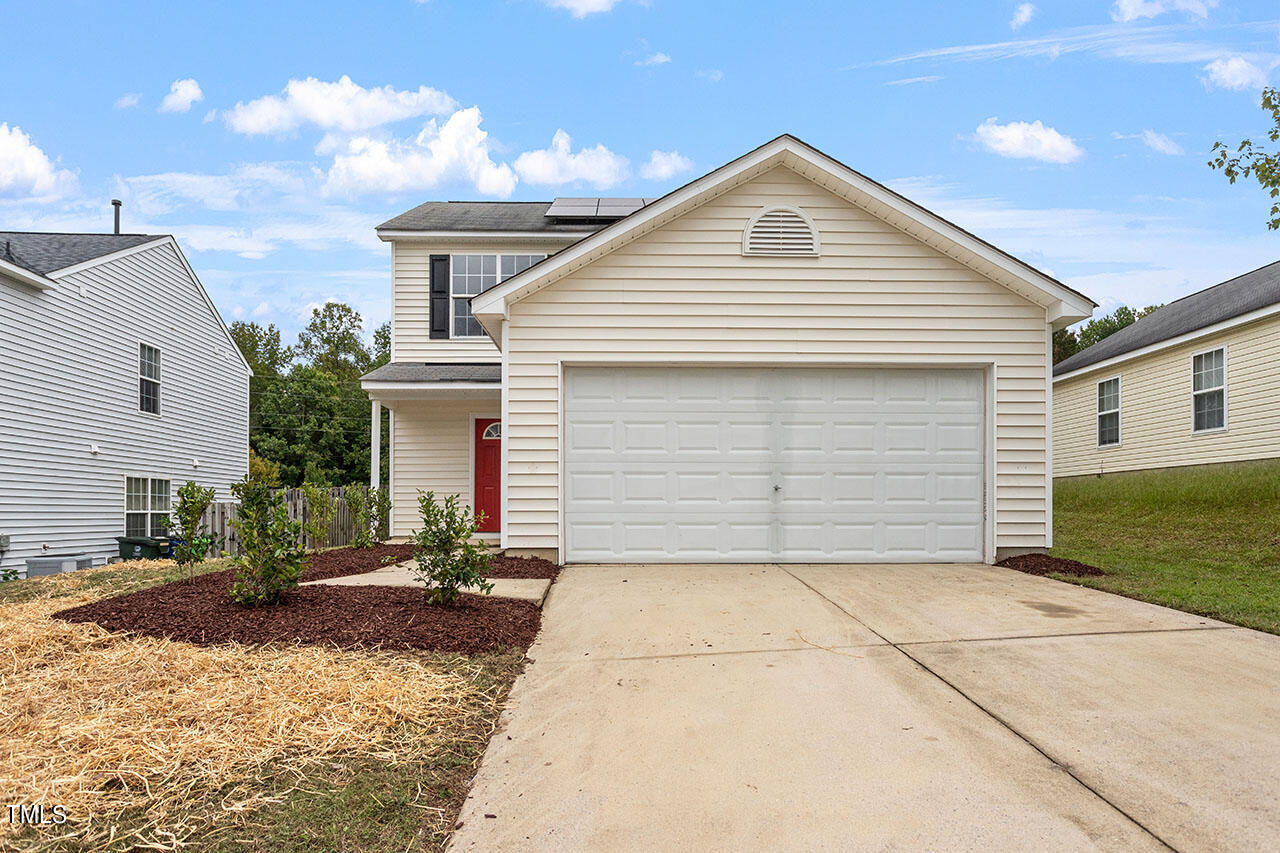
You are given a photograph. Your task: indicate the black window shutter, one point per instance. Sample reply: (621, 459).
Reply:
(440, 296)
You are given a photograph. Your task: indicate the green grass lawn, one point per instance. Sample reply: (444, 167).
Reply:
(1204, 539)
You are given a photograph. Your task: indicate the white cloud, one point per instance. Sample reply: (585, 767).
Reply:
(458, 150)
(664, 165)
(1161, 143)
(243, 188)
(652, 59)
(128, 100)
(209, 116)
(342, 105)
(1154, 44)
(911, 81)
(262, 309)
(711, 75)
(1032, 141)
(1131, 10)
(1236, 73)
(597, 166)
(1022, 16)
(26, 172)
(582, 8)
(182, 94)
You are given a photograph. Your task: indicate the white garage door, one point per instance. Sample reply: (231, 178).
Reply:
(702, 464)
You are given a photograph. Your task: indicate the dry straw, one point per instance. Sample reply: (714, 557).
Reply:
(102, 722)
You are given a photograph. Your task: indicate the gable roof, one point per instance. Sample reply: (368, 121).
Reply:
(1063, 304)
(43, 253)
(1233, 298)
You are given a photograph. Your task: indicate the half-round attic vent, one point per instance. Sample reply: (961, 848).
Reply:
(781, 232)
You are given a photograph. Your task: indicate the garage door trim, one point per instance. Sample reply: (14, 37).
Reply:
(988, 369)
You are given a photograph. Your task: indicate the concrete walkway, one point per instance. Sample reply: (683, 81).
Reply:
(878, 707)
(527, 589)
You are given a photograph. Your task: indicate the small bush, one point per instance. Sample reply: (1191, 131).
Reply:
(273, 557)
(448, 561)
(357, 497)
(263, 469)
(8, 574)
(380, 504)
(191, 543)
(320, 509)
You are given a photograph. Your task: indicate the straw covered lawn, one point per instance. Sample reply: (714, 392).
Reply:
(165, 744)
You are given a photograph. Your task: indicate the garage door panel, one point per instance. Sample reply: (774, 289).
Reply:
(783, 464)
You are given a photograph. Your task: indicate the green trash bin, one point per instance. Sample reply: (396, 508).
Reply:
(142, 547)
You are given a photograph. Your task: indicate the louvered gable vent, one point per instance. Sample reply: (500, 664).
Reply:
(781, 232)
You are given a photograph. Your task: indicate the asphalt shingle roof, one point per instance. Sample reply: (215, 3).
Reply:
(417, 371)
(1231, 298)
(528, 216)
(43, 253)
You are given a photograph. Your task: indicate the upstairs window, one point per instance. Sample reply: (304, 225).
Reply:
(1209, 390)
(1109, 412)
(471, 275)
(146, 506)
(148, 379)
(781, 232)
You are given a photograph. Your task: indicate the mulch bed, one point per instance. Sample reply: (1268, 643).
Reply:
(1043, 564)
(344, 616)
(523, 567)
(340, 562)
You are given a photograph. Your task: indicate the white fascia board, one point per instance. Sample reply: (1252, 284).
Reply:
(1196, 334)
(387, 236)
(102, 259)
(493, 302)
(377, 385)
(25, 276)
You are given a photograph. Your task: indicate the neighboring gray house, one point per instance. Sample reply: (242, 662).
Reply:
(118, 383)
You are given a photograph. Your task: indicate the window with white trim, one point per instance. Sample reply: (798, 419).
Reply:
(148, 379)
(146, 506)
(471, 275)
(1109, 412)
(493, 430)
(1209, 390)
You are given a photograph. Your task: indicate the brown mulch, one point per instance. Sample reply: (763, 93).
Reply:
(523, 567)
(339, 562)
(1043, 564)
(200, 612)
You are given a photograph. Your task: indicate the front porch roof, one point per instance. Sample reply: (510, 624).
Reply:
(410, 379)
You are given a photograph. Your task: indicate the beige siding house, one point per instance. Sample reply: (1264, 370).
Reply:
(1193, 383)
(782, 361)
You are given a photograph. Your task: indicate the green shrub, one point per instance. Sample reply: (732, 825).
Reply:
(380, 501)
(272, 558)
(357, 498)
(8, 574)
(448, 560)
(320, 509)
(192, 543)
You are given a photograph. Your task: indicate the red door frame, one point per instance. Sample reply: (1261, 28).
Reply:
(487, 475)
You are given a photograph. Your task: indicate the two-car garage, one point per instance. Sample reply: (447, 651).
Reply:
(773, 464)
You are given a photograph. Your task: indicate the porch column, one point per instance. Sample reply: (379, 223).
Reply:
(375, 447)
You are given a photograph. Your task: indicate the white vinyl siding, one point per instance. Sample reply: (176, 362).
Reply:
(432, 441)
(411, 310)
(1109, 412)
(1159, 407)
(70, 428)
(684, 293)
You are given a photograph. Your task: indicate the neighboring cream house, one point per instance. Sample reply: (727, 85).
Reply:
(118, 383)
(1193, 383)
(782, 361)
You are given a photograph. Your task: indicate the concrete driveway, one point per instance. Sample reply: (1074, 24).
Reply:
(878, 707)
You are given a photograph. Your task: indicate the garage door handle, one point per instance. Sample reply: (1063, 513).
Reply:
(777, 488)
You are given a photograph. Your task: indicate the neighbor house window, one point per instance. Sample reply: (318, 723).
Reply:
(1209, 390)
(471, 275)
(148, 379)
(1109, 412)
(146, 506)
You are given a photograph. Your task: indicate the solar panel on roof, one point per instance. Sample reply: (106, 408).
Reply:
(574, 207)
(620, 206)
(595, 208)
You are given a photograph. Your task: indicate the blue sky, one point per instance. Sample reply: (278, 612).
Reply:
(271, 138)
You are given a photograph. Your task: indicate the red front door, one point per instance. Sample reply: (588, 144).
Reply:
(488, 473)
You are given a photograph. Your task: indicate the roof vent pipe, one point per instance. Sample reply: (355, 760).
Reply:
(115, 202)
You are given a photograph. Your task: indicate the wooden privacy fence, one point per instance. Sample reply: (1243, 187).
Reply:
(217, 521)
